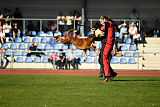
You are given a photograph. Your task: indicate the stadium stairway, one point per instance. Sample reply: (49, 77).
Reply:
(151, 56)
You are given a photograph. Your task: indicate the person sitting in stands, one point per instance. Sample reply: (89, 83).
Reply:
(53, 59)
(16, 31)
(69, 21)
(33, 47)
(30, 27)
(7, 30)
(61, 21)
(62, 60)
(136, 39)
(2, 36)
(71, 58)
(117, 50)
(123, 32)
(132, 31)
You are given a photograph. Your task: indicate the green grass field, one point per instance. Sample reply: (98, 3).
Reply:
(78, 91)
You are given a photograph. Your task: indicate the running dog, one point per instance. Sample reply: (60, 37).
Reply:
(81, 43)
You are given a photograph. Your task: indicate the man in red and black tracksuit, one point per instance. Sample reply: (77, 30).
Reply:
(107, 46)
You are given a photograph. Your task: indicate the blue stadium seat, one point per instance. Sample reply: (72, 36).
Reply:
(58, 53)
(28, 46)
(56, 47)
(37, 60)
(96, 60)
(16, 53)
(123, 61)
(13, 47)
(24, 33)
(27, 40)
(124, 48)
(5, 46)
(33, 33)
(24, 53)
(114, 61)
(39, 47)
(89, 33)
(132, 48)
(128, 41)
(117, 34)
(49, 53)
(93, 54)
(72, 46)
(8, 53)
(41, 34)
(35, 40)
(28, 60)
(49, 34)
(77, 54)
(82, 60)
(64, 47)
(22, 47)
(45, 60)
(64, 33)
(44, 40)
(88, 60)
(18, 40)
(127, 54)
(131, 61)
(57, 33)
(47, 47)
(19, 60)
(82, 54)
(136, 54)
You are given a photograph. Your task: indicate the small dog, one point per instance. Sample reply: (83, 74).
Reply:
(81, 43)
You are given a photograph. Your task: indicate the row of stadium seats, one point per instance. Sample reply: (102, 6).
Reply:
(88, 60)
(123, 61)
(34, 40)
(56, 47)
(45, 60)
(14, 46)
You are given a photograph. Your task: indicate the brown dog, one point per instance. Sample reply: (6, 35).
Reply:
(81, 43)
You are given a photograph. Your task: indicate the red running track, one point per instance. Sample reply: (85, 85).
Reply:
(73, 72)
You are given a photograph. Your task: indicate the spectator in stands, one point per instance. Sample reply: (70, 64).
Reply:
(134, 14)
(71, 58)
(10, 15)
(117, 50)
(61, 21)
(78, 19)
(5, 13)
(123, 32)
(30, 27)
(53, 59)
(18, 14)
(143, 31)
(7, 30)
(52, 26)
(69, 21)
(15, 31)
(132, 31)
(1, 21)
(33, 47)
(62, 60)
(156, 27)
(3, 61)
(2, 36)
(136, 39)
